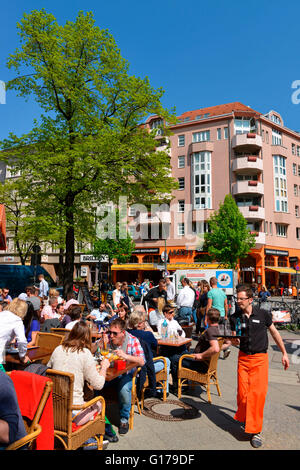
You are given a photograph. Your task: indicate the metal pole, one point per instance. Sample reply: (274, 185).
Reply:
(99, 279)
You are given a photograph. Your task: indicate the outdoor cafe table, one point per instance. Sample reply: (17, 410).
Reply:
(174, 342)
(35, 354)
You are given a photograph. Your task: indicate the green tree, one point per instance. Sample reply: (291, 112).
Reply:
(88, 146)
(229, 238)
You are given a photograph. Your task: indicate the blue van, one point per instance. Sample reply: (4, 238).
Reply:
(17, 277)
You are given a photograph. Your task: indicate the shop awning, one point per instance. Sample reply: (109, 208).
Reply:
(134, 267)
(2, 228)
(282, 270)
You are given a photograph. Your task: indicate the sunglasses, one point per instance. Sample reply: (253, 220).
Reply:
(112, 333)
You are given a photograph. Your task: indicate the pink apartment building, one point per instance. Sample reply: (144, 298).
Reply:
(215, 151)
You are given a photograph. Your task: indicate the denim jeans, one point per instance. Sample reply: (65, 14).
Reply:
(124, 387)
(184, 313)
(194, 313)
(159, 365)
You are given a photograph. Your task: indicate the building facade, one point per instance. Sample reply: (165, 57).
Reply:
(215, 151)
(225, 149)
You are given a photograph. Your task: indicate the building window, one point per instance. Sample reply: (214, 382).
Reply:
(241, 126)
(267, 137)
(298, 151)
(293, 149)
(294, 169)
(298, 233)
(269, 260)
(181, 206)
(203, 136)
(181, 140)
(181, 183)
(180, 229)
(297, 211)
(262, 135)
(201, 180)
(266, 228)
(280, 183)
(157, 124)
(219, 134)
(276, 137)
(132, 211)
(296, 190)
(181, 161)
(298, 170)
(271, 228)
(281, 230)
(225, 132)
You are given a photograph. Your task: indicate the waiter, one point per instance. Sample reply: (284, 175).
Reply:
(253, 361)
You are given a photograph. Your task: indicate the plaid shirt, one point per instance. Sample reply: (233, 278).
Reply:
(134, 347)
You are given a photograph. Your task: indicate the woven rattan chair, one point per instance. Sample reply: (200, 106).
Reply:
(49, 341)
(161, 380)
(27, 440)
(134, 398)
(63, 383)
(60, 331)
(207, 379)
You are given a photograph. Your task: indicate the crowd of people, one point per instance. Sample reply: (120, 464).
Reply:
(131, 332)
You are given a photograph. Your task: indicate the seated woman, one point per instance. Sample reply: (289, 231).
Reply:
(122, 313)
(31, 324)
(206, 347)
(136, 327)
(75, 315)
(74, 356)
(12, 327)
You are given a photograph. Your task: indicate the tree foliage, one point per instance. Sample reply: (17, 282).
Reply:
(88, 146)
(229, 238)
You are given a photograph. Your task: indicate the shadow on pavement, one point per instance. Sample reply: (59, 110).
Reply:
(218, 415)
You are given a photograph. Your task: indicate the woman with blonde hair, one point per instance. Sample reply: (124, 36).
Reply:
(12, 327)
(117, 295)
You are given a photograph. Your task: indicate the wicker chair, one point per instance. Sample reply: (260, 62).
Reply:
(63, 383)
(48, 341)
(60, 331)
(207, 379)
(27, 440)
(161, 380)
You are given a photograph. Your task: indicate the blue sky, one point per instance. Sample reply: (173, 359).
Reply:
(201, 53)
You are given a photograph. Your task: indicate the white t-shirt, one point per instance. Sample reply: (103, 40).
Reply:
(117, 297)
(186, 297)
(70, 325)
(154, 317)
(11, 326)
(173, 327)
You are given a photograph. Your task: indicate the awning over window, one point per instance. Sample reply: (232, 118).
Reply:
(2, 228)
(282, 270)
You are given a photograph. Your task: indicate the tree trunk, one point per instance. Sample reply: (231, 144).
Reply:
(70, 247)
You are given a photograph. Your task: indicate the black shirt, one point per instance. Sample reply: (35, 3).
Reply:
(154, 294)
(254, 330)
(212, 333)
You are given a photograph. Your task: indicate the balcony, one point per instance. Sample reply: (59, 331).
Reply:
(250, 164)
(253, 212)
(247, 141)
(247, 187)
(148, 218)
(260, 238)
(205, 146)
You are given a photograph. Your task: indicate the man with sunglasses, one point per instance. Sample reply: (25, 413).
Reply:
(253, 361)
(128, 348)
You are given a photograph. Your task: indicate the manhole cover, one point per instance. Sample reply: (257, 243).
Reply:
(170, 410)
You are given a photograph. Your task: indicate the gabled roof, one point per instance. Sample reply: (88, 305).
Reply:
(218, 110)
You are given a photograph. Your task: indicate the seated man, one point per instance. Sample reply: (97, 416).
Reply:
(11, 422)
(128, 348)
(102, 314)
(205, 348)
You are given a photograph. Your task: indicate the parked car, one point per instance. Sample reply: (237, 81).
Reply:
(133, 293)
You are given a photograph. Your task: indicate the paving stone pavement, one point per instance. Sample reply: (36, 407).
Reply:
(214, 427)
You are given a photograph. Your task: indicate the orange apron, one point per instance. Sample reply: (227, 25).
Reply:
(252, 390)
